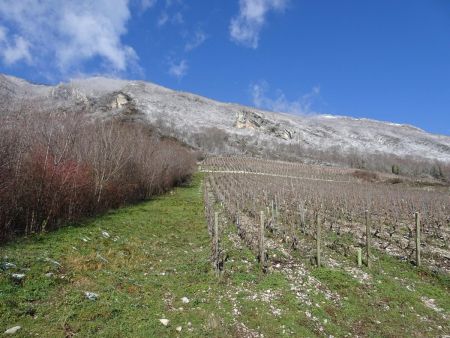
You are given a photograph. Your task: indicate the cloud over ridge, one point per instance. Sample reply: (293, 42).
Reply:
(246, 27)
(178, 70)
(280, 103)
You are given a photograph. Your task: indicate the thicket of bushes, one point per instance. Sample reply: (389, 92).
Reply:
(58, 167)
(417, 167)
(216, 141)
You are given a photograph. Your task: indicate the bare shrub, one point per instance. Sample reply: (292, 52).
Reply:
(365, 175)
(58, 166)
(395, 180)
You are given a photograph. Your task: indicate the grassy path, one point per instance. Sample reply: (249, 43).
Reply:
(142, 260)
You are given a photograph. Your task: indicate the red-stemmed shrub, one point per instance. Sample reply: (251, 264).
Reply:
(59, 167)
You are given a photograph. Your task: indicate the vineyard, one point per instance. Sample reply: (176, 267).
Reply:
(145, 270)
(308, 208)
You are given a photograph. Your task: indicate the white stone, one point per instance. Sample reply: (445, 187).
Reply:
(185, 300)
(164, 321)
(7, 265)
(18, 277)
(179, 328)
(13, 330)
(91, 295)
(53, 262)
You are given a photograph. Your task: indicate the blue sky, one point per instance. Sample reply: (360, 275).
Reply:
(380, 59)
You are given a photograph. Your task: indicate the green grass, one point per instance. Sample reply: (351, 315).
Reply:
(391, 305)
(158, 252)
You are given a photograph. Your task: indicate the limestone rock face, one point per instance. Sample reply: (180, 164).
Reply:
(120, 101)
(247, 119)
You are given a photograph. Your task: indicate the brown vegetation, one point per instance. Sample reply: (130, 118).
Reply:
(412, 166)
(58, 166)
(365, 175)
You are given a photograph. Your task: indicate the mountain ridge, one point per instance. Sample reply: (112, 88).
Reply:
(191, 117)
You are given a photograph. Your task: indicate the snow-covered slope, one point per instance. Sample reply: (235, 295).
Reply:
(188, 114)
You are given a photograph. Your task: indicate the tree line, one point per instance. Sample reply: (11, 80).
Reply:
(59, 165)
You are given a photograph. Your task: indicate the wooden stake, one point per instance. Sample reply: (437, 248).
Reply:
(318, 239)
(273, 215)
(216, 241)
(262, 255)
(277, 213)
(417, 239)
(302, 218)
(359, 251)
(367, 239)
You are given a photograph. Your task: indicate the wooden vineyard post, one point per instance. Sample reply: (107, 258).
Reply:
(216, 241)
(262, 254)
(273, 214)
(417, 216)
(318, 231)
(207, 211)
(277, 211)
(359, 253)
(302, 218)
(367, 238)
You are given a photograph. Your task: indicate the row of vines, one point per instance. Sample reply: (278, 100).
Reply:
(292, 196)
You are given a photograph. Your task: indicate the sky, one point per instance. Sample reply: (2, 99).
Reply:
(381, 59)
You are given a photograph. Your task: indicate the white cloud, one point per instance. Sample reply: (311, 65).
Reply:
(246, 26)
(280, 103)
(2, 34)
(197, 39)
(69, 32)
(147, 4)
(171, 13)
(19, 51)
(15, 49)
(175, 19)
(162, 20)
(170, 3)
(179, 70)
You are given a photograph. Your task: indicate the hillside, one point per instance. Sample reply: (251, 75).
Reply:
(218, 127)
(120, 274)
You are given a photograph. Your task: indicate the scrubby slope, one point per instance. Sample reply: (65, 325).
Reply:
(186, 115)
